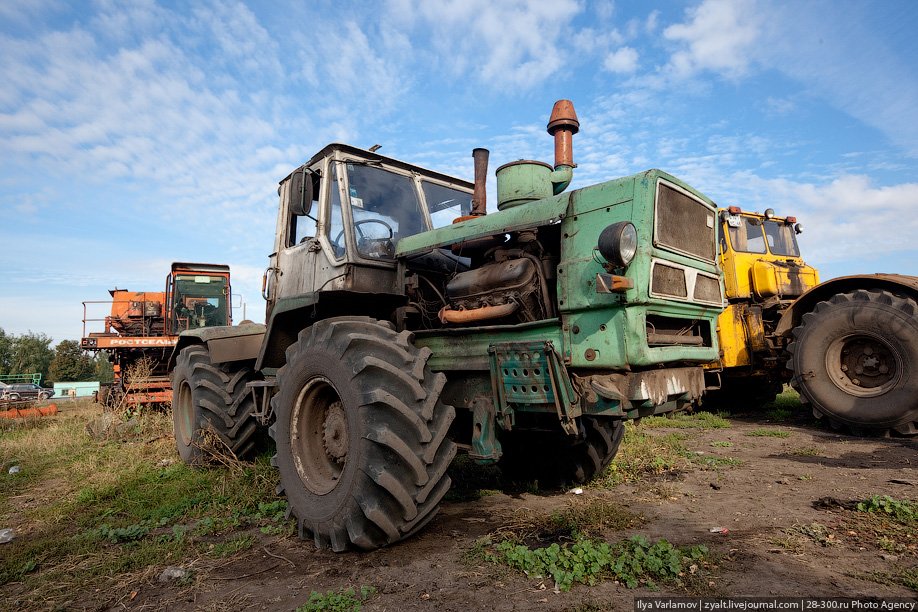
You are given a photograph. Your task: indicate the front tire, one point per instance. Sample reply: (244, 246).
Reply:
(208, 397)
(555, 461)
(361, 434)
(855, 359)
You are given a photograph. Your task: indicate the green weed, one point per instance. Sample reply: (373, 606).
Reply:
(722, 444)
(904, 511)
(345, 600)
(632, 562)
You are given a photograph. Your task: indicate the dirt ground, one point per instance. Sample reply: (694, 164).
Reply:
(776, 539)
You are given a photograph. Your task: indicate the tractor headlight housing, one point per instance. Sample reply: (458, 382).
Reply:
(618, 243)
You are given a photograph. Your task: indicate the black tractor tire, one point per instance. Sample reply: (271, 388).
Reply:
(747, 394)
(361, 434)
(854, 359)
(214, 398)
(554, 460)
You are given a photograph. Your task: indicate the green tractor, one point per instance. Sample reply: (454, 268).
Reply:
(405, 324)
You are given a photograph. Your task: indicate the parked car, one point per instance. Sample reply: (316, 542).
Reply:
(18, 391)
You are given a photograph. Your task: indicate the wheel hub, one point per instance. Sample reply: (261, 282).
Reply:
(863, 365)
(334, 433)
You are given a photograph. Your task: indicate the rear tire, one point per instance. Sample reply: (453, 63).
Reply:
(208, 397)
(361, 434)
(855, 360)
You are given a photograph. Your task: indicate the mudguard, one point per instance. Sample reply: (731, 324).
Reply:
(224, 343)
(894, 283)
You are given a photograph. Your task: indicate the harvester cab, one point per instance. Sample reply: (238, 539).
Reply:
(197, 295)
(141, 327)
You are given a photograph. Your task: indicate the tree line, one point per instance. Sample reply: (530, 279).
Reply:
(67, 362)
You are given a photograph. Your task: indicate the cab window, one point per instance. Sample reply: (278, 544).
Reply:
(445, 204)
(747, 237)
(781, 238)
(384, 208)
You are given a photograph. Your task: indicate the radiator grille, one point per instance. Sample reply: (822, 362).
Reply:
(707, 289)
(684, 224)
(668, 281)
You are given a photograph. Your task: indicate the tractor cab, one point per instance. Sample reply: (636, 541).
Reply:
(760, 257)
(342, 215)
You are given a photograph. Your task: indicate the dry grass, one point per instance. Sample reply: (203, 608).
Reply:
(95, 517)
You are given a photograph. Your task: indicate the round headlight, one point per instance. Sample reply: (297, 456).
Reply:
(769, 213)
(798, 229)
(618, 243)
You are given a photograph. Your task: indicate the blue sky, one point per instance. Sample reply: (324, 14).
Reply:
(134, 134)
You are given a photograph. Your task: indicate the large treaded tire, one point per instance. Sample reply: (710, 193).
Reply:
(854, 358)
(208, 397)
(361, 434)
(554, 461)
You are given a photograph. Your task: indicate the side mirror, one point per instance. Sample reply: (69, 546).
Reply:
(299, 192)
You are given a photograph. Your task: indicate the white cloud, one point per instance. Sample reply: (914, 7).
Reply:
(623, 60)
(718, 36)
(517, 43)
(848, 216)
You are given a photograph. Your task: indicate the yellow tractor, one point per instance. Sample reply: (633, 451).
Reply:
(849, 345)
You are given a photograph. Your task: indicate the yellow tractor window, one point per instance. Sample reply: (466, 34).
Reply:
(781, 238)
(748, 236)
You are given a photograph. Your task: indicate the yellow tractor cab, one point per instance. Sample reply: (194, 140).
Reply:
(760, 257)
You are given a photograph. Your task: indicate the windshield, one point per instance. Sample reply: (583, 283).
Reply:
(445, 203)
(781, 238)
(747, 236)
(384, 208)
(199, 301)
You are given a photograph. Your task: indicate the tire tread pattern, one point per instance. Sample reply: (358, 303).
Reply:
(405, 444)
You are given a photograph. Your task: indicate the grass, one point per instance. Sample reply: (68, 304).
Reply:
(644, 454)
(94, 514)
(580, 518)
(767, 433)
(807, 451)
(682, 420)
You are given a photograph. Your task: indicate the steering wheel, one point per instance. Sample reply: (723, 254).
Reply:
(361, 237)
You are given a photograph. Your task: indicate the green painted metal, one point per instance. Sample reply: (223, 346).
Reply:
(466, 349)
(530, 376)
(598, 330)
(521, 182)
(486, 448)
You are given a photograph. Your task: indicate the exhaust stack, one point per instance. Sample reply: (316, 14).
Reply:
(563, 124)
(480, 195)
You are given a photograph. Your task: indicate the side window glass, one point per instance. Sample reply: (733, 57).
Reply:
(302, 229)
(445, 204)
(335, 225)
